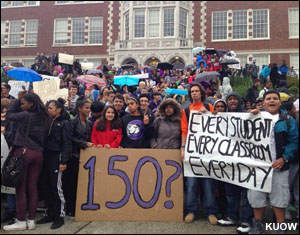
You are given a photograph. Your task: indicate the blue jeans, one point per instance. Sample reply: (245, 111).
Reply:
(209, 188)
(237, 196)
(11, 202)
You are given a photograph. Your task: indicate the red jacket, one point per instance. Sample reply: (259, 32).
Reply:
(111, 137)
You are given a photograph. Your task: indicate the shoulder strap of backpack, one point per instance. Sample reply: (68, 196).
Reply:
(187, 111)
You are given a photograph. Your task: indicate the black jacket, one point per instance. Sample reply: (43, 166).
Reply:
(135, 133)
(59, 138)
(37, 129)
(81, 134)
(240, 108)
(252, 94)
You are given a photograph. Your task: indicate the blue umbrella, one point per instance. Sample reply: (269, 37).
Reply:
(126, 80)
(24, 74)
(176, 91)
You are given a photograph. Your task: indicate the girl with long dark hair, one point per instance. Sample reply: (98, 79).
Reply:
(107, 131)
(56, 154)
(33, 121)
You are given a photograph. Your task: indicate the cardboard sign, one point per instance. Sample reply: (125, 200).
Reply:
(4, 155)
(129, 185)
(87, 65)
(49, 90)
(231, 147)
(65, 58)
(16, 87)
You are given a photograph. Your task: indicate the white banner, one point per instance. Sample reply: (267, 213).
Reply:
(16, 87)
(4, 155)
(231, 147)
(65, 58)
(49, 90)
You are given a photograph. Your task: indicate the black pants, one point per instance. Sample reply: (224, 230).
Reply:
(54, 198)
(70, 185)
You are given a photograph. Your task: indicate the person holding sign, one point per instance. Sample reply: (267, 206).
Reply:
(137, 127)
(107, 131)
(236, 195)
(284, 141)
(197, 96)
(81, 129)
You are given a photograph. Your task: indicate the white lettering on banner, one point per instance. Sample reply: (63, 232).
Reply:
(4, 155)
(49, 90)
(231, 147)
(16, 87)
(281, 226)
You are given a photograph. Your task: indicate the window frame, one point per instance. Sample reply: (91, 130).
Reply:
(134, 24)
(89, 31)
(226, 26)
(25, 34)
(163, 28)
(289, 10)
(9, 33)
(156, 23)
(247, 24)
(54, 34)
(76, 44)
(268, 24)
(182, 25)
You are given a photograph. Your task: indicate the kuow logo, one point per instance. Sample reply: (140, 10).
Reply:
(281, 226)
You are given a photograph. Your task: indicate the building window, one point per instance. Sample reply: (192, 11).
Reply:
(182, 23)
(294, 22)
(168, 22)
(61, 28)
(239, 30)
(96, 30)
(294, 61)
(3, 26)
(31, 32)
(15, 33)
(219, 25)
(154, 23)
(17, 3)
(127, 26)
(260, 24)
(243, 60)
(62, 2)
(78, 25)
(28, 63)
(139, 23)
(261, 60)
(4, 3)
(32, 3)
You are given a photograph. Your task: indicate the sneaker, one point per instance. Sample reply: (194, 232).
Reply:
(212, 219)
(45, 220)
(17, 226)
(30, 224)
(226, 222)
(257, 227)
(58, 223)
(288, 215)
(190, 217)
(244, 228)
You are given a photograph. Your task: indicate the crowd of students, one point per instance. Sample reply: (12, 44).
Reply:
(141, 117)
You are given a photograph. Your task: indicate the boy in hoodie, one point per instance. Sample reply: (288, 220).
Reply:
(237, 195)
(137, 127)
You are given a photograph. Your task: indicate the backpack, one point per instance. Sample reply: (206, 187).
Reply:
(187, 111)
(12, 174)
